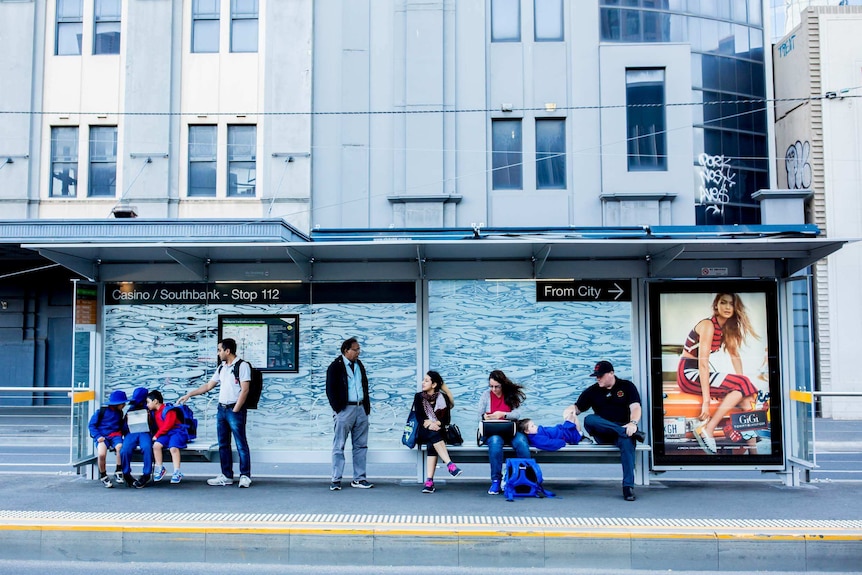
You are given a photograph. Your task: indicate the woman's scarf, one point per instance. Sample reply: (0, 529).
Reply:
(433, 403)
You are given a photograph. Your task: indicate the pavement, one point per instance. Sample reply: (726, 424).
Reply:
(697, 520)
(721, 526)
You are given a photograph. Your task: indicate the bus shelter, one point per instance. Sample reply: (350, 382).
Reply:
(543, 305)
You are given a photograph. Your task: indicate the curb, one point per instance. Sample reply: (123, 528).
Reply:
(468, 541)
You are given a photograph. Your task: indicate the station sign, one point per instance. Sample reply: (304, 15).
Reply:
(584, 290)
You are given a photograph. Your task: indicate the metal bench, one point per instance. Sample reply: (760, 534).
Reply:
(592, 453)
(193, 454)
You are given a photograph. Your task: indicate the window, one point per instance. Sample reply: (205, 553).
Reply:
(506, 158)
(64, 163)
(202, 161)
(103, 161)
(645, 120)
(505, 20)
(243, 25)
(70, 21)
(548, 20)
(205, 25)
(107, 27)
(550, 154)
(241, 154)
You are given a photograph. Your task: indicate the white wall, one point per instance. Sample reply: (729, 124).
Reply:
(841, 67)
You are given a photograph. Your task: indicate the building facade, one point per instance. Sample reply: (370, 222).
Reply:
(819, 141)
(376, 115)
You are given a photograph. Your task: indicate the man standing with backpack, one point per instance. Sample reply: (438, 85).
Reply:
(232, 412)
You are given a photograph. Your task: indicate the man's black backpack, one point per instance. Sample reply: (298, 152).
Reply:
(255, 387)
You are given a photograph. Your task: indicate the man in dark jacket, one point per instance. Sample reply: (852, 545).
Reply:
(347, 391)
(616, 406)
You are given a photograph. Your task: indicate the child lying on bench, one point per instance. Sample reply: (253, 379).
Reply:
(551, 438)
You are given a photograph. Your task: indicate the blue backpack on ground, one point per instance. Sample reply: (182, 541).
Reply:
(186, 416)
(523, 478)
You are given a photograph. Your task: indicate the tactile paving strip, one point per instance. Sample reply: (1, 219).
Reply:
(429, 523)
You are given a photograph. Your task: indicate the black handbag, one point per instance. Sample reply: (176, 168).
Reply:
(452, 435)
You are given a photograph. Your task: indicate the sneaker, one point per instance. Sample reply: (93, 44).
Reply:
(177, 476)
(220, 480)
(244, 481)
(335, 486)
(454, 470)
(495, 488)
(361, 484)
(429, 487)
(142, 482)
(160, 472)
(128, 479)
(629, 493)
(118, 477)
(639, 436)
(106, 481)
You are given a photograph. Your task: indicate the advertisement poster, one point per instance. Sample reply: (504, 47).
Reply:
(268, 342)
(714, 374)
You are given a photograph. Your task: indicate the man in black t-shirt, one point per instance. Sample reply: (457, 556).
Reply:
(616, 406)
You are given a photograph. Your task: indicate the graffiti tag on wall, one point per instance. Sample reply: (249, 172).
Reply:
(798, 168)
(787, 47)
(716, 181)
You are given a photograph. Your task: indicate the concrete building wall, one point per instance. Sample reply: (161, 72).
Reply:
(151, 91)
(819, 142)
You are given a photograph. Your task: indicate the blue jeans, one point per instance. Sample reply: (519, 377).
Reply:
(608, 432)
(228, 422)
(495, 452)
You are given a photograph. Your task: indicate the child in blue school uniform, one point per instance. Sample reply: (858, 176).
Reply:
(551, 438)
(170, 432)
(107, 428)
(138, 423)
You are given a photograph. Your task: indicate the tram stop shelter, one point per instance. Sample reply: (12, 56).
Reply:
(153, 297)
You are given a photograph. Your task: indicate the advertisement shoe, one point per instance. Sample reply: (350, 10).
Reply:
(706, 442)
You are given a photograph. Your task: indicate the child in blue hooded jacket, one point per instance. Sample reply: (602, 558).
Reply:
(107, 428)
(139, 424)
(551, 438)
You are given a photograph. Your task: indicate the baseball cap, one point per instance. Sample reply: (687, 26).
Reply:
(602, 368)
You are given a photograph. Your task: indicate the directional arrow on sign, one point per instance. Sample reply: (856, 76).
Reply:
(619, 291)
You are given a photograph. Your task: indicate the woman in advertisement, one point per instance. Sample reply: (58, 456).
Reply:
(727, 330)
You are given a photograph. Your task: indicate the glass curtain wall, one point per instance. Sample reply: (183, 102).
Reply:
(728, 94)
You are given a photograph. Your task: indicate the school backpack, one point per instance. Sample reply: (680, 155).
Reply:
(523, 478)
(255, 386)
(185, 416)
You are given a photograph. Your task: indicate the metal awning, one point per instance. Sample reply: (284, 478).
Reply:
(271, 250)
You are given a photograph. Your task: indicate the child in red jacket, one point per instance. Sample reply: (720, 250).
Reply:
(170, 432)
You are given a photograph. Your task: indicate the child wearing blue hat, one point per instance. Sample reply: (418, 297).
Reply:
(138, 424)
(106, 427)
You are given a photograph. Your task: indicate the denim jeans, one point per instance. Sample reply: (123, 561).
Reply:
(230, 423)
(608, 432)
(495, 452)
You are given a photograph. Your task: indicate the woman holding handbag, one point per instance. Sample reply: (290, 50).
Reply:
(502, 401)
(432, 406)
